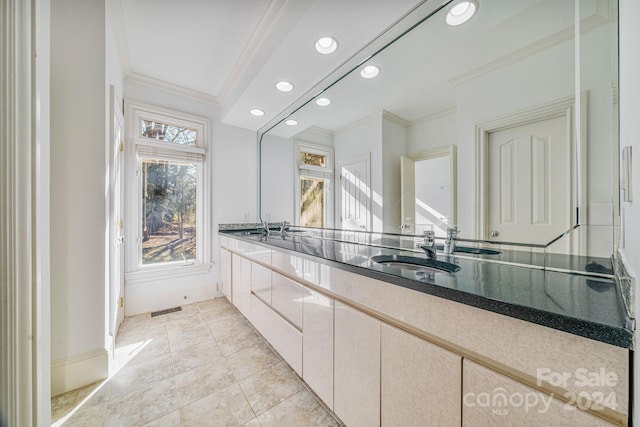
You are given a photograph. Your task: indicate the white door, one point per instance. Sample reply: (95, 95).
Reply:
(407, 195)
(116, 234)
(355, 195)
(529, 183)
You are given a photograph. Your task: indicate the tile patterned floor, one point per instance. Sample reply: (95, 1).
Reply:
(202, 366)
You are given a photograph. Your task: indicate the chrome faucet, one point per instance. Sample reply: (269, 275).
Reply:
(284, 227)
(264, 227)
(429, 245)
(450, 241)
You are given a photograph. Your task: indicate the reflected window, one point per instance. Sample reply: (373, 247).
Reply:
(315, 175)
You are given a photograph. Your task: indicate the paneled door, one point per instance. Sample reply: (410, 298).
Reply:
(529, 182)
(355, 195)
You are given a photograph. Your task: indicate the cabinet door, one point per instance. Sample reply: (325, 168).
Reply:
(357, 367)
(317, 345)
(421, 382)
(225, 273)
(261, 282)
(241, 289)
(490, 398)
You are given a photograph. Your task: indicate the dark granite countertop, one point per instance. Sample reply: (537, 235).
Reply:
(580, 304)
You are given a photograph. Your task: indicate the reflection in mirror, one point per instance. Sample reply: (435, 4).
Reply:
(428, 191)
(531, 110)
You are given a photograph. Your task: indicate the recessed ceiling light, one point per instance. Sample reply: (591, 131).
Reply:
(461, 12)
(257, 112)
(369, 71)
(323, 102)
(326, 45)
(284, 86)
(291, 122)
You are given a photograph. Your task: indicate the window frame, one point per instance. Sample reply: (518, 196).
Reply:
(139, 148)
(310, 171)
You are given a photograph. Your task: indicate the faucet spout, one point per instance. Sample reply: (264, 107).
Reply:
(429, 246)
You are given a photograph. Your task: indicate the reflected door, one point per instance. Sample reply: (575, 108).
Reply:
(407, 195)
(529, 182)
(355, 195)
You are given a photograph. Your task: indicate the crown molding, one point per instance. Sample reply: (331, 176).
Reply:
(437, 115)
(269, 20)
(600, 16)
(170, 87)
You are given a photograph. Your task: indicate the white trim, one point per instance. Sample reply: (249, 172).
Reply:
(173, 270)
(450, 151)
(171, 87)
(439, 114)
(311, 171)
(24, 212)
(133, 229)
(600, 16)
(69, 373)
(562, 107)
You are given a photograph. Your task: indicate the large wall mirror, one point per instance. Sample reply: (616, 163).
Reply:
(524, 95)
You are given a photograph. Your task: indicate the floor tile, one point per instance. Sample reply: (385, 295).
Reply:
(169, 420)
(226, 407)
(252, 360)
(301, 409)
(203, 366)
(203, 381)
(144, 405)
(266, 389)
(198, 354)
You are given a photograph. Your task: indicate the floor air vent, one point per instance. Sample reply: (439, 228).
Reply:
(167, 311)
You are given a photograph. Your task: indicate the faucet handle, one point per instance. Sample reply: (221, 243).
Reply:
(429, 236)
(284, 226)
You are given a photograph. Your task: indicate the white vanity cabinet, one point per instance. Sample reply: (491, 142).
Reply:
(378, 354)
(317, 344)
(357, 367)
(241, 284)
(420, 382)
(225, 273)
(490, 398)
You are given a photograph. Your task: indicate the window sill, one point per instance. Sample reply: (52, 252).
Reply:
(166, 272)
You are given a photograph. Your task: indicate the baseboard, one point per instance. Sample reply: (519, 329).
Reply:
(77, 371)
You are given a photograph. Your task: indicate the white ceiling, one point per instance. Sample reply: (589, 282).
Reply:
(232, 52)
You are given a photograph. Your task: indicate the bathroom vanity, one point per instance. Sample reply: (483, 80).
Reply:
(494, 343)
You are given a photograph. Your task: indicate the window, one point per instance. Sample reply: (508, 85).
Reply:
(315, 177)
(167, 195)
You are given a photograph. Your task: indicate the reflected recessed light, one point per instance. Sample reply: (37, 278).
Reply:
(284, 86)
(369, 71)
(461, 12)
(326, 45)
(323, 102)
(257, 112)
(291, 122)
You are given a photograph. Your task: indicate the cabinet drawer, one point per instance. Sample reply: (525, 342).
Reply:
(286, 298)
(261, 282)
(286, 339)
(287, 263)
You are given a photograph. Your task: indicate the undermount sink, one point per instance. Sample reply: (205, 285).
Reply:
(416, 264)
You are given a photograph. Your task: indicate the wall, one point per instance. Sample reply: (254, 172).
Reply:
(83, 66)
(233, 156)
(278, 179)
(394, 145)
(630, 135)
(358, 140)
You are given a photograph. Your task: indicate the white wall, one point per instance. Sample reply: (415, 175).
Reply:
(278, 179)
(630, 135)
(394, 145)
(233, 155)
(359, 140)
(83, 65)
(433, 189)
